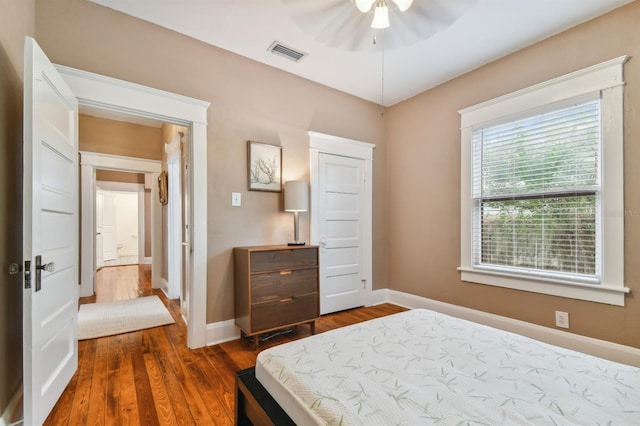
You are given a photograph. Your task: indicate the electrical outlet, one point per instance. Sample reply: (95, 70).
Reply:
(562, 319)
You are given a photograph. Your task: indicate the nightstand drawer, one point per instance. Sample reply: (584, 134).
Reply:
(282, 284)
(280, 313)
(274, 260)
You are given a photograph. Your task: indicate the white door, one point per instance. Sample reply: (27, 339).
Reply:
(341, 204)
(186, 237)
(99, 249)
(174, 227)
(109, 240)
(50, 347)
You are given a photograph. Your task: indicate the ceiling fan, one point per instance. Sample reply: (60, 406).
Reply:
(381, 15)
(347, 24)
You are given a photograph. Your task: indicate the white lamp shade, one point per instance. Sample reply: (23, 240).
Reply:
(364, 5)
(380, 17)
(403, 4)
(296, 196)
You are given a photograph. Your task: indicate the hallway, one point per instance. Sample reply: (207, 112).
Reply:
(121, 283)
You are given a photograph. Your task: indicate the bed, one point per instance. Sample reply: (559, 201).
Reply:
(423, 367)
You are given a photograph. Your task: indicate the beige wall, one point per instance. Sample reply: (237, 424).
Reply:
(118, 137)
(416, 214)
(16, 21)
(249, 101)
(424, 207)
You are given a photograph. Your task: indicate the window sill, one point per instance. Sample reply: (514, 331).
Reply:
(591, 292)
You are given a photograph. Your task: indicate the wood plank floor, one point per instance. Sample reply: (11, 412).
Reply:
(150, 377)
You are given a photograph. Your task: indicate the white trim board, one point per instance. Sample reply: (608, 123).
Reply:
(596, 347)
(222, 331)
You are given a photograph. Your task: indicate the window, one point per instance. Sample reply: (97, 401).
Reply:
(542, 202)
(535, 192)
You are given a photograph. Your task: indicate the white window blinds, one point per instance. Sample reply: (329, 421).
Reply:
(535, 193)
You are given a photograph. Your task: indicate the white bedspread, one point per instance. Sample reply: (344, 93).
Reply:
(422, 367)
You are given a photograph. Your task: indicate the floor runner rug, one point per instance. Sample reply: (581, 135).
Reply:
(123, 316)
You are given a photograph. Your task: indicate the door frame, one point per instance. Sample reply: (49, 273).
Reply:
(320, 143)
(134, 188)
(89, 162)
(129, 98)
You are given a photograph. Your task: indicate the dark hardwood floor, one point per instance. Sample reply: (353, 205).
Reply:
(150, 377)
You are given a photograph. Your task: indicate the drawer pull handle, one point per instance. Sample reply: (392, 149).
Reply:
(286, 272)
(286, 299)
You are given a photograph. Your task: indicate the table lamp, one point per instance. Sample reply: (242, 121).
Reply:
(296, 200)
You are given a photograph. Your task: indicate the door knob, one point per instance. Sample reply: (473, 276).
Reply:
(49, 267)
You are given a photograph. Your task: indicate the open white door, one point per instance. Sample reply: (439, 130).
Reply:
(108, 226)
(99, 242)
(174, 227)
(50, 349)
(186, 233)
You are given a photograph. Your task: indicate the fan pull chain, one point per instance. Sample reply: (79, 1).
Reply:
(375, 41)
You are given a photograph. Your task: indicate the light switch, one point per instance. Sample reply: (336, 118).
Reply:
(236, 199)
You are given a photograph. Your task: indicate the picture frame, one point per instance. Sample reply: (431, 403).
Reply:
(163, 184)
(264, 167)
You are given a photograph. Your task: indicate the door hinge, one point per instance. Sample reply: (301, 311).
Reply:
(27, 274)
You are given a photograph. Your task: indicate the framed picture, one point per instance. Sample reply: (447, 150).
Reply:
(264, 164)
(163, 192)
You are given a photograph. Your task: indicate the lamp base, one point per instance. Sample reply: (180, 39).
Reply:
(296, 243)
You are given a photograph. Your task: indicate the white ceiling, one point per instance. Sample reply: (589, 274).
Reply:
(434, 41)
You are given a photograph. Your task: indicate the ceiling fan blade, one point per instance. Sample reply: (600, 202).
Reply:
(339, 23)
(336, 23)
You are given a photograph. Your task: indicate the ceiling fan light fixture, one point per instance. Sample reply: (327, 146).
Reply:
(381, 16)
(403, 4)
(364, 5)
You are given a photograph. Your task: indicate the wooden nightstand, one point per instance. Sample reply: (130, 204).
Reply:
(275, 287)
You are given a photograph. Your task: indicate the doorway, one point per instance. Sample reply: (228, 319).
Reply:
(116, 95)
(120, 236)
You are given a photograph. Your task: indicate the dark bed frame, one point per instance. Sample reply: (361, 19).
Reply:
(254, 405)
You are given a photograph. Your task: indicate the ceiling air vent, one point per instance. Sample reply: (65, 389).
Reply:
(278, 48)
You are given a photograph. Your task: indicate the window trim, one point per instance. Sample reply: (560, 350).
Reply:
(604, 80)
